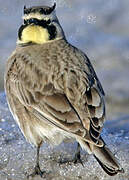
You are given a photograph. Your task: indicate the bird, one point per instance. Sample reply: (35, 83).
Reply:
(53, 91)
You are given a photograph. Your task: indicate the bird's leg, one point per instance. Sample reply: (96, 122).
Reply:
(37, 167)
(75, 159)
(37, 170)
(77, 156)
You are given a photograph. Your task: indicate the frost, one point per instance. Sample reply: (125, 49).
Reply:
(91, 19)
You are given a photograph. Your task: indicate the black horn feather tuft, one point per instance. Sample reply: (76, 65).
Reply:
(24, 9)
(49, 11)
(54, 6)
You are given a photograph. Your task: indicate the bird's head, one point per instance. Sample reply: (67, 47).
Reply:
(40, 25)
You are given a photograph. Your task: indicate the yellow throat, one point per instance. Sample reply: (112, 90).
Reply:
(36, 34)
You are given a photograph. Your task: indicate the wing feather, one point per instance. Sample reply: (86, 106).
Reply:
(78, 109)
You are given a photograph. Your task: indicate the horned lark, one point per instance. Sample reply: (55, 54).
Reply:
(53, 91)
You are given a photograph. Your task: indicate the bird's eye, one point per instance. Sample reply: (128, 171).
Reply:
(32, 20)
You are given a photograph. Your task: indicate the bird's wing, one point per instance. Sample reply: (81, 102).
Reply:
(73, 102)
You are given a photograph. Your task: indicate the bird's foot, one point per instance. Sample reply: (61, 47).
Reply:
(77, 159)
(36, 171)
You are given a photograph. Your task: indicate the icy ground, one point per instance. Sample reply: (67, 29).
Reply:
(17, 157)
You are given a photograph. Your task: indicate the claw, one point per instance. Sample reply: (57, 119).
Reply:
(77, 159)
(37, 171)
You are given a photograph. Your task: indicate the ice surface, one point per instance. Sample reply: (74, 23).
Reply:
(17, 157)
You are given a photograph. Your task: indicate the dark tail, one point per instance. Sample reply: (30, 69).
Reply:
(107, 160)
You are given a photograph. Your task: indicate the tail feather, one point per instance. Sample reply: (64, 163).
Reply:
(107, 160)
(109, 171)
